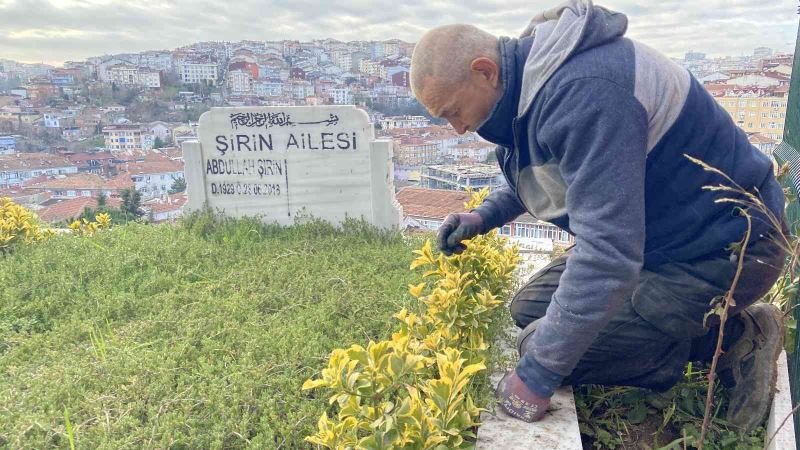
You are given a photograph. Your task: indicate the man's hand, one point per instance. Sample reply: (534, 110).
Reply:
(519, 401)
(456, 228)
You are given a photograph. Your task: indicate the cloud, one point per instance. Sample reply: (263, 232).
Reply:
(58, 30)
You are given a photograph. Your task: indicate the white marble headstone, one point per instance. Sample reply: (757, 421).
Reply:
(273, 162)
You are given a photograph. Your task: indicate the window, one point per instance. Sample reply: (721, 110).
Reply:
(70, 193)
(505, 230)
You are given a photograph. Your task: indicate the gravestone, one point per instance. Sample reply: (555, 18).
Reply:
(278, 162)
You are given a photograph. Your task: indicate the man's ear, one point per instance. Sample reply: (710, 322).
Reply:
(487, 69)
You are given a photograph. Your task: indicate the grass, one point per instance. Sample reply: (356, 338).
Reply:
(197, 336)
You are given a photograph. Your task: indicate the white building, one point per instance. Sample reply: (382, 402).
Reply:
(20, 167)
(268, 88)
(149, 78)
(388, 123)
(130, 75)
(51, 121)
(161, 130)
(154, 176)
(157, 60)
(240, 82)
(342, 58)
(192, 72)
(299, 89)
(341, 96)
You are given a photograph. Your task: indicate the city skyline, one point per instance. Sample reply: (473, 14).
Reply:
(63, 30)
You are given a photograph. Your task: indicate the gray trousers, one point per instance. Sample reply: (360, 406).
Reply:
(660, 328)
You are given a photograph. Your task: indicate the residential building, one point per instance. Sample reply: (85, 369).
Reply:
(341, 96)
(165, 209)
(461, 177)
(101, 163)
(757, 110)
(125, 74)
(51, 120)
(763, 143)
(240, 82)
(471, 152)
(71, 134)
(154, 176)
(388, 123)
(268, 87)
(124, 137)
(157, 60)
(40, 93)
(88, 185)
(198, 71)
(415, 151)
(161, 130)
(131, 75)
(149, 78)
(8, 145)
(18, 168)
(342, 58)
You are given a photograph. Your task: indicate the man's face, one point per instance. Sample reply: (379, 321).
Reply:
(465, 105)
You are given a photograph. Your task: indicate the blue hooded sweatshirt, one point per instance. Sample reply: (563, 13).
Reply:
(592, 129)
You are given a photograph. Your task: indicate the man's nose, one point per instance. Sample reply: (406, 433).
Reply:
(458, 126)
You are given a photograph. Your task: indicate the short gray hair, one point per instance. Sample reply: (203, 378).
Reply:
(446, 52)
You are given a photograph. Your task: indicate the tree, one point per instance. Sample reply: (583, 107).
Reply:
(158, 143)
(131, 202)
(178, 185)
(101, 200)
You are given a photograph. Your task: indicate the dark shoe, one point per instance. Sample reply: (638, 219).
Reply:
(524, 337)
(749, 368)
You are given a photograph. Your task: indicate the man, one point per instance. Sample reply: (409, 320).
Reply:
(592, 129)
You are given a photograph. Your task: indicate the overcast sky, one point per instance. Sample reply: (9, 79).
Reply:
(54, 31)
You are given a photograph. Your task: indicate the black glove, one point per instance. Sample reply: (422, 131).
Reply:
(457, 228)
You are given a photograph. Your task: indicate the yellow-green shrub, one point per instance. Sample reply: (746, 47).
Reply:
(410, 392)
(83, 227)
(18, 225)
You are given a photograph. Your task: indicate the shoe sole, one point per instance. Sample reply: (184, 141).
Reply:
(777, 316)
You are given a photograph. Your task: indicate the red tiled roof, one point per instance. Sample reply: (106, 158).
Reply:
(23, 161)
(760, 138)
(153, 164)
(172, 203)
(431, 203)
(72, 208)
(89, 156)
(86, 181)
